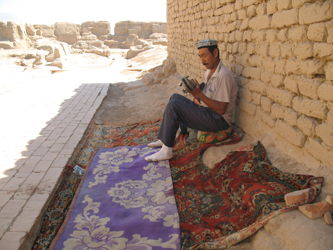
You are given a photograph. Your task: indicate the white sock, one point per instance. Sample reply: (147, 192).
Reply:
(164, 154)
(155, 144)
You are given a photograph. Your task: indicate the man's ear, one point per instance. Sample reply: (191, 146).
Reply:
(216, 52)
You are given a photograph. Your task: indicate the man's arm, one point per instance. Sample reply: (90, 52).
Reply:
(218, 107)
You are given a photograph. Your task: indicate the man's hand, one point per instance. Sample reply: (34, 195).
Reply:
(196, 101)
(196, 92)
(218, 107)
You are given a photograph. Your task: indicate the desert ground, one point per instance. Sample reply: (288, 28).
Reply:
(33, 96)
(26, 95)
(92, 68)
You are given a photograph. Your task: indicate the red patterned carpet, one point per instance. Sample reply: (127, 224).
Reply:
(219, 207)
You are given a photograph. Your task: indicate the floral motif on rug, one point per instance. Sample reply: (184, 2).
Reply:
(125, 202)
(219, 207)
(106, 135)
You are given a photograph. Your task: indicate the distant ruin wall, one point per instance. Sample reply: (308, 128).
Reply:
(142, 29)
(11, 31)
(84, 36)
(281, 52)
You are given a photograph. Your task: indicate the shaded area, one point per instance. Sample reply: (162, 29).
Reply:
(56, 211)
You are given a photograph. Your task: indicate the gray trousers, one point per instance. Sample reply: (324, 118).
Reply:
(182, 110)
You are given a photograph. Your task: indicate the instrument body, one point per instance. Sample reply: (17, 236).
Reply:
(189, 85)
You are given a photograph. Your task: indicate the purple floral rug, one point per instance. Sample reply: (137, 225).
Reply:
(124, 202)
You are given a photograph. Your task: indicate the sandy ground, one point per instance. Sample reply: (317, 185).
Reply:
(129, 100)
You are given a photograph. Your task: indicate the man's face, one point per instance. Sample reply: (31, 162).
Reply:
(207, 59)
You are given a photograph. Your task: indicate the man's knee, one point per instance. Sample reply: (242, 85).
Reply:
(175, 97)
(172, 104)
(175, 106)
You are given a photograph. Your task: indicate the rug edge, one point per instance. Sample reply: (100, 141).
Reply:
(71, 207)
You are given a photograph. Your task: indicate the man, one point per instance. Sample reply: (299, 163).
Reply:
(217, 101)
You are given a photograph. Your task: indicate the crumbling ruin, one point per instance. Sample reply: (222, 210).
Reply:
(89, 37)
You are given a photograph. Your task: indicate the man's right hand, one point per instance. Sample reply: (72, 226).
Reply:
(196, 101)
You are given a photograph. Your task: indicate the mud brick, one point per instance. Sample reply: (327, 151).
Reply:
(5, 178)
(26, 221)
(42, 166)
(328, 217)
(41, 151)
(13, 240)
(5, 196)
(316, 210)
(297, 196)
(4, 225)
(13, 184)
(12, 209)
(329, 199)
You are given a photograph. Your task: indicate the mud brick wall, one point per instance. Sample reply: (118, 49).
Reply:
(11, 31)
(142, 29)
(281, 53)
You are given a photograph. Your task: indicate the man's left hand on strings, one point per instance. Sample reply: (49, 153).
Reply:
(196, 93)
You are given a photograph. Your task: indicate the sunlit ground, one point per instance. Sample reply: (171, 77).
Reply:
(30, 98)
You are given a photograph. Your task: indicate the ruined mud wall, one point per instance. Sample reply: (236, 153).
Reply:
(281, 52)
(83, 36)
(141, 29)
(11, 31)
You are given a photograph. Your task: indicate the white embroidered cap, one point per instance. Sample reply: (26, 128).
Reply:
(206, 43)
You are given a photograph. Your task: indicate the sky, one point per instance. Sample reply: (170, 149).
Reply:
(79, 11)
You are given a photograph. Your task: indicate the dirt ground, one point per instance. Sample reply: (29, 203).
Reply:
(130, 100)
